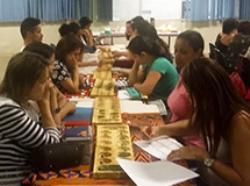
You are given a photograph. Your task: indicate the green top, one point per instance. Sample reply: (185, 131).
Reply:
(168, 80)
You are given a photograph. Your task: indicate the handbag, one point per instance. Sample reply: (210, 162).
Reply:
(54, 157)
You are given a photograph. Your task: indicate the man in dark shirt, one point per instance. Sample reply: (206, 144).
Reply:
(229, 30)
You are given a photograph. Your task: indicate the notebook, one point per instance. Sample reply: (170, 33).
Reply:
(77, 133)
(82, 116)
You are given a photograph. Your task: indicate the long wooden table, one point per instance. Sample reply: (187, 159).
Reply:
(139, 155)
(111, 36)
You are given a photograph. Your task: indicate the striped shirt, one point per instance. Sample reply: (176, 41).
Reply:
(19, 134)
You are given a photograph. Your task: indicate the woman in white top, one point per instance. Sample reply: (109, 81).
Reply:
(26, 78)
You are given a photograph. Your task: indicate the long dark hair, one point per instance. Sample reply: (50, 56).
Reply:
(66, 45)
(23, 71)
(141, 44)
(145, 29)
(214, 100)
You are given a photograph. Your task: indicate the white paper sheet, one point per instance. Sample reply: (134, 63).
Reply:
(87, 70)
(132, 106)
(159, 147)
(161, 106)
(123, 94)
(159, 173)
(82, 102)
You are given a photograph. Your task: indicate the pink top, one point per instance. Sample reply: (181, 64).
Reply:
(179, 103)
(180, 106)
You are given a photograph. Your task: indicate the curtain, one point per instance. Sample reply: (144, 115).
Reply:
(51, 10)
(104, 10)
(13, 10)
(204, 10)
(46, 10)
(245, 9)
(83, 8)
(199, 10)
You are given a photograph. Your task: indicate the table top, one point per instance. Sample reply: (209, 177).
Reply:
(83, 173)
(139, 155)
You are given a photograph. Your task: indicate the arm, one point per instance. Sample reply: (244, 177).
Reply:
(72, 84)
(69, 107)
(89, 63)
(65, 107)
(135, 75)
(120, 54)
(149, 84)
(236, 174)
(28, 133)
(89, 37)
(239, 138)
(179, 128)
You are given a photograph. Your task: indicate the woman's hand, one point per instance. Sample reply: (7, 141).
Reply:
(89, 36)
(72, 62)
(188, 153)
(44, 103)
(152, 131)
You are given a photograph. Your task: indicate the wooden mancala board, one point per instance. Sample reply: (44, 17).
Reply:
(107, 110)
(112, 141)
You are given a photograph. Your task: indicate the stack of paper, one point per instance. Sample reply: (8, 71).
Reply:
(159, 173)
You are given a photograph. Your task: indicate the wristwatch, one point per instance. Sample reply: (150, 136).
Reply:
(208, 162)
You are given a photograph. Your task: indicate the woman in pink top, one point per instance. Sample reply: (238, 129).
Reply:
(189, 46)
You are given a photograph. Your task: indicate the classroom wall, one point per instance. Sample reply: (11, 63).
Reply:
(11, 41)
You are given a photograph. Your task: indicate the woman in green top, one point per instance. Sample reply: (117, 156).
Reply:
(157, 77)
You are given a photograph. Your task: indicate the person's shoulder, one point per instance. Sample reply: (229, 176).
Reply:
(9, 106)
(4, 101)
(241, 121)
(162, 61)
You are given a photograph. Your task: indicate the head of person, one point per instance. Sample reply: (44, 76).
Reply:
(70, 28)
(143, 49)
(69, 46)
(44, 50)
(26, 77)
(75, 28)
(85, 22)
(31, 30)
(230, 26)
(189, 45)
(143, 28)
(244, 28)
(64, 29)
(214, 99)
(129, 30)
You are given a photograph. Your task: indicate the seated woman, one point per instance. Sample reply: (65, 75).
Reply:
(60, 106)
(74, 28)
(141, 27)
(66, 71)
(158, 77)
(87, 35)
(19, 134)
(222, 118)
(189, 45)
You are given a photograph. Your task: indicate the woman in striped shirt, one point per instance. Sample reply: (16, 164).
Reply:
(26, 78)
